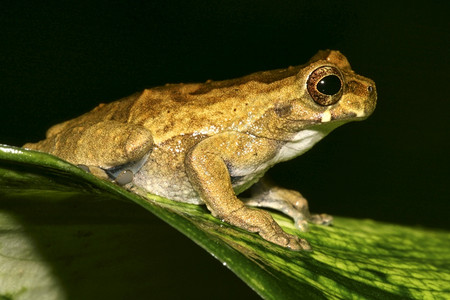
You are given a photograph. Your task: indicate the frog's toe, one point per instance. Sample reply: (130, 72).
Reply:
(321, 219)
(287, 240)
(297, 244)
(304, 245)
(301, 225)
(96, 171)
(84, 168)
(124, 177)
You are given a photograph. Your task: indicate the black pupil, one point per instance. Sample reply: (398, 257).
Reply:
(329, 85)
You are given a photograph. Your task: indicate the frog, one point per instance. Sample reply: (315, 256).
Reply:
(208, 143)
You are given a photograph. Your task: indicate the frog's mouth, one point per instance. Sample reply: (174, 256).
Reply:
(327, 117)
(350, 111)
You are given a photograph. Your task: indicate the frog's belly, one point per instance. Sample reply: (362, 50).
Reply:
(164, 171)
(164, 181)
(175, 185)
(164, 174)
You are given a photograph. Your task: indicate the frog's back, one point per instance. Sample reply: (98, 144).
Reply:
(183, 109)
(205, 108)
(118, 111)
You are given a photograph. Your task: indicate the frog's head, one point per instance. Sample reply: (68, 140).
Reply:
(331, 92)
(322, 95)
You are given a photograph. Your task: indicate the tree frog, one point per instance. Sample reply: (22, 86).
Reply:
(205, 143)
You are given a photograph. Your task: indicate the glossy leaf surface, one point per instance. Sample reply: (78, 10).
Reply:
(46, 241)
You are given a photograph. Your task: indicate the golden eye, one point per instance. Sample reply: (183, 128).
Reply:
(325, 85)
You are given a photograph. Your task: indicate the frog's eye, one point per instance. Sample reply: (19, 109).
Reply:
(325, 85)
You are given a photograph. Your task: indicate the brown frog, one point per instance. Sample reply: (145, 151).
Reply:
(204, 143)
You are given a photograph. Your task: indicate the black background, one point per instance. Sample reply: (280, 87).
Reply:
(59, 61)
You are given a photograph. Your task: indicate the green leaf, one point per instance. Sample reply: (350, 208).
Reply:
(40, 193)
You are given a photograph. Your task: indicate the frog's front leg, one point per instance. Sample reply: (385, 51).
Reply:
(289, 202)
(207, 166)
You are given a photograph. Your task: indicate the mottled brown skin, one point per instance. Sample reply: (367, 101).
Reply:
(204, 143)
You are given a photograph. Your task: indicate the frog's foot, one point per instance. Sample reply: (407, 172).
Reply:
(124, 174)
(121, 178)
(124, 177)
(321, 219)
(289, 202)
(94, 170)
(259, 221)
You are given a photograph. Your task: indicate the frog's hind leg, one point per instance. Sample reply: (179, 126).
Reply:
(289, 202)
(121, 177)
(94, 170)
(124, 174)
(108, 149)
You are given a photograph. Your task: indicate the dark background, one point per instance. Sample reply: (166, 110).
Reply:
(59, 61)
